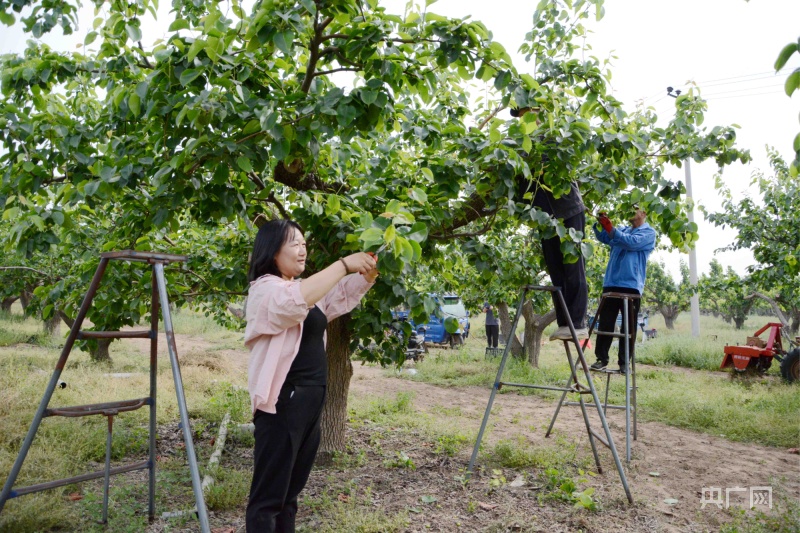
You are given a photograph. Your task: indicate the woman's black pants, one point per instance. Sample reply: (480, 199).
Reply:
(492, 335)
(612, 307)
(286, 445)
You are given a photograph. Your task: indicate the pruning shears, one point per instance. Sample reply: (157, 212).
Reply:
(376, 253)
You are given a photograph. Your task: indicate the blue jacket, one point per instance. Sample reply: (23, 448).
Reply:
(630, 248)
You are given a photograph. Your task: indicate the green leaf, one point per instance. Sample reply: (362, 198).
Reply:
(107, 174)
(793, 82)
(310, 6)
(428, 172)
(244, 163)
(179, 24)
(419, 195)
(785, 54)
(7, 18)
(90, 37)
(371, 237)
(451, 324)
(390, 234)
(283, 40)
(189, 75)
(90, 188)
(133, 32)
(334, 205)
(418, 233)
(58, 217)
(134, 104)
(197, 45)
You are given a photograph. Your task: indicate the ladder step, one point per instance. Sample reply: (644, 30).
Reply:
(528, 386)
(599, 437)
(142, 465)
(612, 334)
(108, 408)
(141, 334)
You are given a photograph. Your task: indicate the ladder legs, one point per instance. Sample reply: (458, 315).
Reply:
(572, 386)
(184, 412)
(51, 386)
(107, 476)
(151, 489)
(497, 384)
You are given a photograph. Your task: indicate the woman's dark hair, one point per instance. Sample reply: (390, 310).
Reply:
(269, 240)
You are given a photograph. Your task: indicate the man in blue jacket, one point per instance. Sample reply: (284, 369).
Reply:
(625, 273)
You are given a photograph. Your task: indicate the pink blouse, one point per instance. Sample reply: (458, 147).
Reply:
(275, 313)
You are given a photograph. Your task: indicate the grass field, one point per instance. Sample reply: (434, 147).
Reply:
(762, 410)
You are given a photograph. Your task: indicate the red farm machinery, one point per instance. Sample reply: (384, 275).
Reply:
(758, 353)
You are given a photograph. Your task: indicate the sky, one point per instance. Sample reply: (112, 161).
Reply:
(726, 47)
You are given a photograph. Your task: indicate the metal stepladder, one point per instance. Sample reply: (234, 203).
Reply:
(630, 367)
(111, 409)
(575, 387)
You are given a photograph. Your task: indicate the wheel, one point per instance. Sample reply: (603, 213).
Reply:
(790, 366)
(456, 340)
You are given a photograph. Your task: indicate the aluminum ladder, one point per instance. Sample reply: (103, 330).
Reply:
(575, 387)
(630, 406)
(160, 301)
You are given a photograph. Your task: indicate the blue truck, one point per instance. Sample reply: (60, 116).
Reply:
(452, 312)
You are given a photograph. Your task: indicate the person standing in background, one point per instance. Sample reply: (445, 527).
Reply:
(492, 327)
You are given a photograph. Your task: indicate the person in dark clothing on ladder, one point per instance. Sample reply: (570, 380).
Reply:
(625, 273)
(570, 277)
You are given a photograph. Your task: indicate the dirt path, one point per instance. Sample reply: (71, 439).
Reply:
(685, 461)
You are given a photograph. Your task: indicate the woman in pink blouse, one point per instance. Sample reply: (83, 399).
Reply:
(285, 333)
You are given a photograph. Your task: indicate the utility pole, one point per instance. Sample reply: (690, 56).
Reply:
(695, 301)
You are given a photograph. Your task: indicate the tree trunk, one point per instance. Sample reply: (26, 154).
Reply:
(534, 329)
(100, 354)
(25, 299)
(5, 305)
(775, 308)
(51, 325)
(738, 321)
(505, 329)
(670, 313)
(340, 370)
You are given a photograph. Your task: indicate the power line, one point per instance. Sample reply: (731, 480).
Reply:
(773, 86)
(736, 77)
(773, 76)
(746, 95)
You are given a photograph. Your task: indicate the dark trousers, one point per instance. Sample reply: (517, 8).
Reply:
(492, 335)
(286, 445)
(570, 277)
(612, 307)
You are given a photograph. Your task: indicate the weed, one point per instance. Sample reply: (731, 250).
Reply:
(229, 490)
(497, 480)
(564, 488)
(450, 445)
(401, 460)
(349, 459)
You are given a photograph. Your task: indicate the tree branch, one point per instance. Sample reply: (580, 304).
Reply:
(775, 307)
(43, 274)
(343, 69)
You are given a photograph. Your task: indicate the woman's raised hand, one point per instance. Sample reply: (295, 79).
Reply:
(360, 262)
